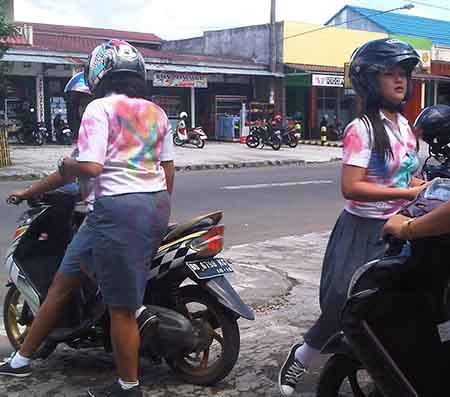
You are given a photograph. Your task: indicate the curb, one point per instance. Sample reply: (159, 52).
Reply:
(196, 167)
(319, 143)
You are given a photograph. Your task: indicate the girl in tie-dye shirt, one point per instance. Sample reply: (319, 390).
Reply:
(379, 164)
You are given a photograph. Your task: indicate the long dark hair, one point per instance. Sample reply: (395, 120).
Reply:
(381, 143)
(125, 83)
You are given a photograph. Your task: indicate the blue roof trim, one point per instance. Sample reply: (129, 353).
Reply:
(410, 25)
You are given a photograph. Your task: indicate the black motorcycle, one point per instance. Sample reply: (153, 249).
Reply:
(264, 135)
(63, 133)
(289, 137)
(31, 132)
(194, 327)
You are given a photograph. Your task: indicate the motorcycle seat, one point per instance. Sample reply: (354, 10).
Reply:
(195, 224)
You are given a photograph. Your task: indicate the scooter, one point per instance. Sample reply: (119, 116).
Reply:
(63, 133)
(195, 136)
(192, 327)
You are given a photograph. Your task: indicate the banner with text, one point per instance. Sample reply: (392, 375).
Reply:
(327, 80)
(169, 79)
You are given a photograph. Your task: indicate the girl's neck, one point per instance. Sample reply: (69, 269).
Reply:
(391, 115)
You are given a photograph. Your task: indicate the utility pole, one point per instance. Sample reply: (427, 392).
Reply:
(273, 40)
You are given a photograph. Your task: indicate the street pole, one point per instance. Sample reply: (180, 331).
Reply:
(273, 41)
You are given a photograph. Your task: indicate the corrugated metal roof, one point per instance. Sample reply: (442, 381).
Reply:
(41, 59)
(209, 70)
(434, 29)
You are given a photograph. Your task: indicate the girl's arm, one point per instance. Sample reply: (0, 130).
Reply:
(354, 187)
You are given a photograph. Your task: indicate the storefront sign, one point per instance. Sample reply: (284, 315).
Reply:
(425, 57)
(179, 80)
(326, 80)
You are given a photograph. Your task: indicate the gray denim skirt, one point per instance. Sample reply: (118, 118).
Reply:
(117, 243)
(354, 241)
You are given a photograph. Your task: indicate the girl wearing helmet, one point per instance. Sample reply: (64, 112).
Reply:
(433, 125)
(125, 143)
(379, 162)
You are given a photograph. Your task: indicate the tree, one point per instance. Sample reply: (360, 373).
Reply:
(7, 30)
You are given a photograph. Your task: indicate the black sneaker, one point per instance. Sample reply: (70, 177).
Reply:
(114, 390)
(21, 372)
(290, 373)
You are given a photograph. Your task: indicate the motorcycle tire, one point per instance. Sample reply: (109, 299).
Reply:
(39, 139)
(275, 142)
(292, 141)
(200, 143)
(13, 309)
(252, 141)
(177, 141)
(339, 377)
(216, 318)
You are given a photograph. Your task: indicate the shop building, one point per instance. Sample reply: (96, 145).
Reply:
(429, 36)
(213, 90)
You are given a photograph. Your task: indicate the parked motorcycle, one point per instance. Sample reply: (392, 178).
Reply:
(290, 137)
(262, 134)
(183, 136)
(195, 330)
(31, 132)
(63, 133)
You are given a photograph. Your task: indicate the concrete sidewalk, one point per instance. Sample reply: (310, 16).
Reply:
(32, 162)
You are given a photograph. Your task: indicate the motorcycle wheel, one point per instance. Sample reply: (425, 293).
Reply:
(17, 319)
(343, 376)
(292, 141)
(177, 141)
(275, 142)
(39, 139)
(222, 340)
(200, 143)
(252, 141)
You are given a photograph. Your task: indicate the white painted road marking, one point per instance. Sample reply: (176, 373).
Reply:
(282, 184)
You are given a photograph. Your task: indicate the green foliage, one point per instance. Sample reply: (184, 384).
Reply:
(6, 30)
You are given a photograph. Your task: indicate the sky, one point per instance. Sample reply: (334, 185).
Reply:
(175, 19)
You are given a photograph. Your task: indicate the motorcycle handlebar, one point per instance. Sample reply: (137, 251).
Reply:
(14, 200)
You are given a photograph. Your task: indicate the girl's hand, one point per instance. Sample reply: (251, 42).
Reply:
(17, 196)
(395, 226)
(414, 191)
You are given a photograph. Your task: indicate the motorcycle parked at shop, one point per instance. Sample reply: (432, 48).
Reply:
(63, 133)
(31, 132)
(183, 136)
(262, 134)
(192, 327)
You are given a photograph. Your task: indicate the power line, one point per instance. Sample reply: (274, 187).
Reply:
(405, 7)
(430, 5)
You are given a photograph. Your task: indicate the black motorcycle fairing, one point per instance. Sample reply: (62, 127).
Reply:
(221, 288)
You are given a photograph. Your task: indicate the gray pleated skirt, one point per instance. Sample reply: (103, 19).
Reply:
(353, 242)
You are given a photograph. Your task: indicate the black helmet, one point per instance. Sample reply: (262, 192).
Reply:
(378, 56)
(111, 57)
(435, 123)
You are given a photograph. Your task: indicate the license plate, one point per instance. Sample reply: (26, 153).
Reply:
(210, 268)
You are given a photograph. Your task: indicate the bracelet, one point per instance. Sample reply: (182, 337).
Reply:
(61, 167)
(408, 229)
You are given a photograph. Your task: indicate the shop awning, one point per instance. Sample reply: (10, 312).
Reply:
(42, 59)
(156, 67)
(430, 77)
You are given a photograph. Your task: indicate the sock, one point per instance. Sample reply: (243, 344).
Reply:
(139, 311)
(306, 354)
(19, 361)
(127, 385)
